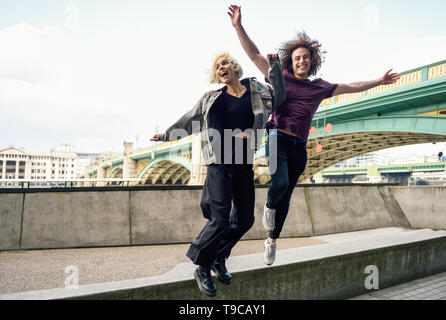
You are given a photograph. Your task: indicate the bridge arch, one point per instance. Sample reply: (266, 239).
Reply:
(353, 138)
(116, 172)
(166, 171)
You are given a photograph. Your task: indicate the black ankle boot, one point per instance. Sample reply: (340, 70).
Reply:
(205, 282)
(220, 270)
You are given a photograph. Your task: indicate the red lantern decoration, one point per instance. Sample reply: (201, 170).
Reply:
(328, 127)
(313, 130)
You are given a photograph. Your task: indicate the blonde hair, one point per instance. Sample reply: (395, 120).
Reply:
(213, 78)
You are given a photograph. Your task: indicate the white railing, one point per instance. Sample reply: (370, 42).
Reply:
(62, 183)
(436, 71)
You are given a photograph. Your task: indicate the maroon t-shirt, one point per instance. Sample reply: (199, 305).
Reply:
(303, 99)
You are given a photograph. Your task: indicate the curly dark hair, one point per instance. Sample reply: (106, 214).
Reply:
(287, 48)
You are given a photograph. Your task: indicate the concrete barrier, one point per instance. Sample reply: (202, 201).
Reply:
(165, 216)
(342, 209)
(11, 210)
(134, 216)
(75, 219)
(424, 207)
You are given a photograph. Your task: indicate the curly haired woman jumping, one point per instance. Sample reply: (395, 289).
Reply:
(300, 58)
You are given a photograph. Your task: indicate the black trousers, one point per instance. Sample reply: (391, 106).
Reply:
(225, 184)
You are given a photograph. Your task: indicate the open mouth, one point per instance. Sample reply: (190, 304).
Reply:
(224, 74)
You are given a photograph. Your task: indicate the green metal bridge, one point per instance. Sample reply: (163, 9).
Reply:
(394, 173)
(411, 111)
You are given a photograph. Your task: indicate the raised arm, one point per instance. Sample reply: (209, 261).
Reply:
(387, 78)
(248, 45)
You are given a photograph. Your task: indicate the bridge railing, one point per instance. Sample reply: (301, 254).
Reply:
(410, 77)
(436, 71)
(119, 158)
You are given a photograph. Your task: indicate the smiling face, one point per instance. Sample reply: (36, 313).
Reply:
(224, 70)
(301, 62)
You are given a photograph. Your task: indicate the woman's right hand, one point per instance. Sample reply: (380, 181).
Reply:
(272, 55)
(155, 137)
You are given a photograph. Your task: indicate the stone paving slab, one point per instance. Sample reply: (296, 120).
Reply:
(428, 288)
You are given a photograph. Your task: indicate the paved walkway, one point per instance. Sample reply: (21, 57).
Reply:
(27, 270)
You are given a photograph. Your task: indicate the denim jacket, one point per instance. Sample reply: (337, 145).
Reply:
(264, 100)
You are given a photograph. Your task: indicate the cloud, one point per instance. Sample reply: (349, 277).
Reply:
(105, 76)
(20, 55)
(54, 89)
(57, 88)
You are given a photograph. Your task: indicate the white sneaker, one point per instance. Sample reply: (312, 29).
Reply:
(270, 253)
(269, 218)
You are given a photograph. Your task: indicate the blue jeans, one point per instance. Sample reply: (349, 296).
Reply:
(288, 166)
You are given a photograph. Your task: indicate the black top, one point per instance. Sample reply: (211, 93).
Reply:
(229, 112)
(236, 113)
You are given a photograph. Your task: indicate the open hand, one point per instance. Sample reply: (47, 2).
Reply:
(235, 12)
(389, 78)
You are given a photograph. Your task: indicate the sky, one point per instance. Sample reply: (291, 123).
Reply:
(96, 73)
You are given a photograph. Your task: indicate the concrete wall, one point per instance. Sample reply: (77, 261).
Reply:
(342, 209)
(424, 207)
(55, 219)
(11, 208)
(75, 219)
(165, 216)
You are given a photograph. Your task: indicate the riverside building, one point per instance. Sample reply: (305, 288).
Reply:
(59, 163)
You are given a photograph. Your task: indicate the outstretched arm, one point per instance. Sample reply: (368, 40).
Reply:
(188, 124)
(248, 45)
(387, 78)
